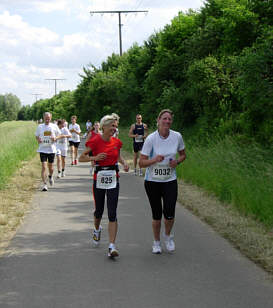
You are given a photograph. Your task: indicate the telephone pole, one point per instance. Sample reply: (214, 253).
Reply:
(55, 79)
(119, 19)
(36, 96)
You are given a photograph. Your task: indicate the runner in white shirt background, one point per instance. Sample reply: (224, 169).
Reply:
(75, 140)
(158, 155)
(46, 136)
(62, 147)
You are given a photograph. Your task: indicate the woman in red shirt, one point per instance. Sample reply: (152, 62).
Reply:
(106, 154)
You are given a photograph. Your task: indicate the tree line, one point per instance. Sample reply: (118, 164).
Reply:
(213, 67)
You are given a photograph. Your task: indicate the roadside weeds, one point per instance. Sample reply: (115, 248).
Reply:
(16, 199)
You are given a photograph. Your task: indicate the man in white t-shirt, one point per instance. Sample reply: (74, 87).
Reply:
(62, 147)
(46, 134)
(75, 140)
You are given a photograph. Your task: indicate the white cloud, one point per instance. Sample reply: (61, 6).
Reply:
(42, 39)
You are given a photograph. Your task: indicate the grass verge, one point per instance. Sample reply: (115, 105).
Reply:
(16, 197)
(17, 144)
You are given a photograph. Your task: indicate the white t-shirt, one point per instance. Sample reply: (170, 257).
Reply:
(45, 132)
(62, 143)
(75, 137)
(156, 145)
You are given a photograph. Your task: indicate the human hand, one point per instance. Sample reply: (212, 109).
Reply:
(101, 156)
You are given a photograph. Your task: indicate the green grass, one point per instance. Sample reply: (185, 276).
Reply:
(239, 174)
(18, 143)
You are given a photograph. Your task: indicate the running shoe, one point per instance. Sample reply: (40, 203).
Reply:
(51, 181)
(75, 162)
(59, 175)
(169, 243)
(44, 188)
(112, 252)
(140, 172)
(63, 174)
(135, 172)
(72, 164)
(157, 248)
(96, 236)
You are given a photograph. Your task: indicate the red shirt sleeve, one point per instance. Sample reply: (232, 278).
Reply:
(90, 142)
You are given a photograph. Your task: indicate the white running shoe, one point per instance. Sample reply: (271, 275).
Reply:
(91, 170)
(140, 172)
(51, 181)
(96, 236)
(112, 252)
(135, 173)
(169, 243)
(156, 248)
(44, 188)
(59, 175)
(63, 174)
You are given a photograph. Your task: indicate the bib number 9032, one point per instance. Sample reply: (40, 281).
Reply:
(162, 172)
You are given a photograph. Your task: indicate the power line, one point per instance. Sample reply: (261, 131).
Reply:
(36, 96)
(119, 17)
(55, 79)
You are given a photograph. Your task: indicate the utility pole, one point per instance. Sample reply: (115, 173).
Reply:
(119, 19)
(55, 79)
(36, 96)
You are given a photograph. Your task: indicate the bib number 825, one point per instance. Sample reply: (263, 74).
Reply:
(106, 180)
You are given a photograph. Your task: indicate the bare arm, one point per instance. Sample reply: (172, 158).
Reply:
(145, 131)
(131, 135)
(86, 158)
(144, 160)
(181, 158)
(123, 162)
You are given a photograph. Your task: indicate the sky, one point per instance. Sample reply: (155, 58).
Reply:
(55, 39)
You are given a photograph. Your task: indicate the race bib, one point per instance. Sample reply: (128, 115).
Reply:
(162, 172)
(139, 138)
(107, 179)
(46, 141)
(74, 136)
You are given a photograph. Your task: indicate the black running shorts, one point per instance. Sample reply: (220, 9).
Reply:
(75, 144)
(44, 157)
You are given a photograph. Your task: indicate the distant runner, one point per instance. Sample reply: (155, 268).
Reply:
(75, 140)
(106, 151)
(46, 136)
(116, 117)
(138, 132)
(62, 147)
(158, 155)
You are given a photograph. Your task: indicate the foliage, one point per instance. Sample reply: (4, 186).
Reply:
(9, 107)
(213, 67)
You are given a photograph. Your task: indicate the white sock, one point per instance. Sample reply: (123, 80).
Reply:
(112, 245)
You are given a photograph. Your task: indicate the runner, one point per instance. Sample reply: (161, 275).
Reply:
(138, 131)
(75, 140)
(93, 132)
(158, 155)
(106, 151)
(117, 119)
(62, 147)
(46, 136)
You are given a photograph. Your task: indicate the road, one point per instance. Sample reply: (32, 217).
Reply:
(51, 262)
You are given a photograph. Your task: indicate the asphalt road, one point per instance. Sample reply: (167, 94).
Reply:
(51, 262)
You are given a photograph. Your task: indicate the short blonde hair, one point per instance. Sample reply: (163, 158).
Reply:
(108, 119)
(163, 111)
(115, 116)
